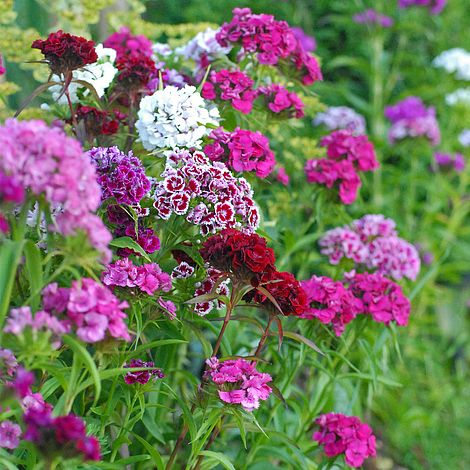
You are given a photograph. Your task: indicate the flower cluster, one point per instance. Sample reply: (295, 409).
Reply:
(147, 277)
(435, 6)
(373, 17)
(120, 176)
(8, 364)
(381, 298)
(347, 155)
(9, 435)
(341, 117)
(273, 42)
(173, 118)
(231, 85)
(99, 75)
(456, 60)
(372, 241)
(341, 434)
(330, 302)
(65, 52)
(411, 118)
(127, 44)
(242, 150)
(142, 376)
(96, 122)
(239, 382)
(92, 309)
(208, 194)
(281, 101)
(135, 71)
(447, 161)
(46, 161)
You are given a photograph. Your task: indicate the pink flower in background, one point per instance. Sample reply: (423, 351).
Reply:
(10, 189)
(8, 364)
(9, 435)
(341, 434)
(282, 176)
(373, 17)
(447, 161)
(341, 117)
(142, 376)
(435, 6)
(127, 44)
(2, 66)
(330, 302)
(169, 308)
(307, 42)
(281, 101)
(239, 382)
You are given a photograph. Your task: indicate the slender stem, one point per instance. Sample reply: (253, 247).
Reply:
(72, 112)
(222, 330)
(264, 337)
(214, 434)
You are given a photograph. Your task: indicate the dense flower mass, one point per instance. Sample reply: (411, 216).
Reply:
(372, 242)
(173, 118)
(239, 382)
(65, 52)
(447, 161)
(127, 44)
(341, 434)
(341, 117)
(230, 85)
(381, 298)
(282, 102)
(411, 118)
(435, 6)
(142, 376)
(456, 60)
(330, 302)
(242, 150)
(46, 161)
(347, 155)
(206, 193)
(147, 277)
(373, 17)
(135, 71)
(120, 176)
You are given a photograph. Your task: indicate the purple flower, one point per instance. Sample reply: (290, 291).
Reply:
(341, 117)
(435, 6)
(307, 42)
(69, 428)
(8, 363)
(142, 376)
(22, 382)
(447, 161)
(9, 435)
(372, 17)
(168, 307)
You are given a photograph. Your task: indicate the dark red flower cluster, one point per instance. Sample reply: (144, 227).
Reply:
(233, 86)
(65, 52)
(247, 258)
(136, 70)
(96, 122)
(347, 156)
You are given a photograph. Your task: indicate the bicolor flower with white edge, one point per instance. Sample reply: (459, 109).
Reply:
(99, 74)
(175, 117)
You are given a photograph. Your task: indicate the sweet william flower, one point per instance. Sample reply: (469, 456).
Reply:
(142, 376)
(9, 435)
(341, 117)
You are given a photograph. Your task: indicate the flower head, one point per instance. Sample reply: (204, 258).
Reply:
(446, 161)
(142, 376)
(9, 435)
(372, 17)
(127, 44)
(435, 6)
(281, 101)
(341, 117)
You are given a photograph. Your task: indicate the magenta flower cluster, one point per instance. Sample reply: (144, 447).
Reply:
(347, 155)
(147, 277)
(242, 150)
(120, 176)
(142, 376)
(231, 85)
(373, 17)
(127, 44)
(308, 43)
(47, 162)
(330, 302)
(341, 117)
(372, 242)
(341, 434)
(435, 6)
(239, 382)
(207, 193)
(9, 435)
(446, 161)
(411, 118)
(281, 101)
(273, 42)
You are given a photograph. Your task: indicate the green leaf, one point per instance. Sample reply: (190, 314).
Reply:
(219, 457)
(33, 260)
(302, 339)
(155, 344)
(154, 454)
(34, 94)
(128, 242)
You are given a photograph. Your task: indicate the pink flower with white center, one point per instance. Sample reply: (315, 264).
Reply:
(9, 435)
(182, 271)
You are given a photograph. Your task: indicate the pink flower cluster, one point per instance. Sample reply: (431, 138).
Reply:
(90, 308)
(234, 86)
(46, 161)
(373, 17)
(242, 150)
(447, 161)
(411, 118)
(281, 101)
(207, 193)
(11, 192)
(147, 277)
(120, 176)
(347, 155)
(239, 382)
(435, 6)
(341, 434)
(273, 42)
(127, 44)
(3, 70)
(341, 117)
(330, 302)
(372, 241)
(381, 298)
(143, 376)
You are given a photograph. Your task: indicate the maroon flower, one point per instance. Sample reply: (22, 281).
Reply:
(142, 376)
(89, 447)
(65, 52)
(96, 122)
(69, 428)
(135, 71)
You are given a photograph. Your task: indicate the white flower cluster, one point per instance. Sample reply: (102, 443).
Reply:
(99, 74)
(341, 117)
(460, 96)
(175, 117)
(204, 44)
(464, 138)
(456, 61)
